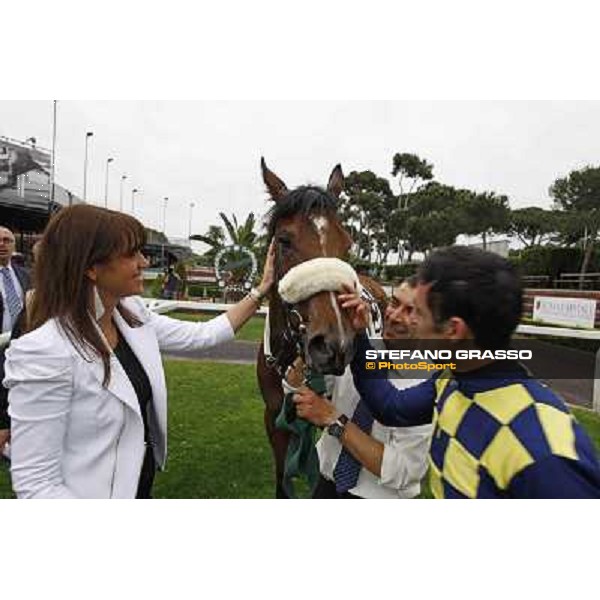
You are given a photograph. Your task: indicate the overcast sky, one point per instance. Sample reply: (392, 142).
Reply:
(209, 152)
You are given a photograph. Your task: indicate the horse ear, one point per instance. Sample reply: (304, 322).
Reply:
(275, 186)
(336, 181)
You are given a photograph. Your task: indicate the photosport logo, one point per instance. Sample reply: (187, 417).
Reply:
(435, 360)
(423, 358)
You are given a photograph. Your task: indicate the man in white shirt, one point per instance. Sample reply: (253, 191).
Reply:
(359, 457)
(14, 282)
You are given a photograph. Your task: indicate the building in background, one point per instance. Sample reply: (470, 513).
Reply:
(500, 247)
(26, 201)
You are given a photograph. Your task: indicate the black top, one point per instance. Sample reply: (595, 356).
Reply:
(141, 384)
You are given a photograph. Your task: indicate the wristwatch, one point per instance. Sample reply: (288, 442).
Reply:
(336, 429)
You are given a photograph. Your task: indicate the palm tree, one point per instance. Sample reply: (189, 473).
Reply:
(240, 235)
(243, 235)
(214, 237)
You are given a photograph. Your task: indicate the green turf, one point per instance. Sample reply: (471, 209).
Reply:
(217, 445)
(5, 491)
(591, 423)
(252, 331)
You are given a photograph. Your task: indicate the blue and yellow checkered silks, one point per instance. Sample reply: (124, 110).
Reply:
(491, 436)
(498, 432)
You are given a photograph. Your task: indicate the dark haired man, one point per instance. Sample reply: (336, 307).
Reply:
(14, 282)
(498, 433)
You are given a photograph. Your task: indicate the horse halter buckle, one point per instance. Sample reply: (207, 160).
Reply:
(296, 321)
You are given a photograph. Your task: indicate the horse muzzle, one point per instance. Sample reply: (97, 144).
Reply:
(327, 355)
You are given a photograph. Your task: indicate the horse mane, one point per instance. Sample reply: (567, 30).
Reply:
(376, 290)
(304, 199)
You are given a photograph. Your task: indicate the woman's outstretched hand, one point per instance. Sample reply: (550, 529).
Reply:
(268, 276)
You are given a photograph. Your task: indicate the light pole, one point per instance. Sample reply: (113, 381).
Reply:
(53, 153)
(134, 191)
(192, 204)
(123, 178)
(164, 227)
(108, 161)
(164, 219)
(88, 135)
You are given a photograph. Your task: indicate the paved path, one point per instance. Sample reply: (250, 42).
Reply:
(239, 351)
(550, 359)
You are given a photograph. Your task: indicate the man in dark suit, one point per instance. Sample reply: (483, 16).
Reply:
(14, 283)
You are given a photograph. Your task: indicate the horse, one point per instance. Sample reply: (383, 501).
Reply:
(304, 226)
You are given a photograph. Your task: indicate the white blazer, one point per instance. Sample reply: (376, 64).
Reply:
(72, 438)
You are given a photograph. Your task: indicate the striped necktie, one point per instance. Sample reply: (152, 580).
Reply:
(13, 301)
(347, 469)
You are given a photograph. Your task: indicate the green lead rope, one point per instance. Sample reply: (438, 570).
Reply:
(302, 460)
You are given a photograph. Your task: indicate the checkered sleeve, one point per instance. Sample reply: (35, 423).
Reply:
(389, 405)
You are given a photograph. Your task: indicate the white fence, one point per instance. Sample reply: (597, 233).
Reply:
(165, 306)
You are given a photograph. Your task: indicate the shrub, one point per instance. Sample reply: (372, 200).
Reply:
(398, 272)
(552, 260)
(201, 290)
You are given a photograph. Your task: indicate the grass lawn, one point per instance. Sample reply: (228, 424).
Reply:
(252, 331)
(217, 445)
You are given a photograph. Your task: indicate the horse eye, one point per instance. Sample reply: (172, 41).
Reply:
(285, 243)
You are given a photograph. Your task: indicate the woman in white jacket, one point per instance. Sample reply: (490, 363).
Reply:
(87, 390)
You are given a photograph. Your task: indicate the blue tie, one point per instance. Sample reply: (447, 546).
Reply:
(347, 469)
(13, 301)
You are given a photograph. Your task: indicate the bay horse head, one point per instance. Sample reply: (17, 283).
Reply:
(305, 227)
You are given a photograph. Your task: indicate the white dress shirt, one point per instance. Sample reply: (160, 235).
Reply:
(7, 322)
(405, 449)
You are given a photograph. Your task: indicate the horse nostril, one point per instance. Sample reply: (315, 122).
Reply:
(326, 355)
(318, 347)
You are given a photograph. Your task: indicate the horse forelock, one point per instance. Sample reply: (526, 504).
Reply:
(304, 201)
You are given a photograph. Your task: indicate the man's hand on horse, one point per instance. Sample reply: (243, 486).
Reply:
(269, 271)
(314, 408)
(356, 308)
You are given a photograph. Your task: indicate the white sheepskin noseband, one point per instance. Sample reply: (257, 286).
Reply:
(316, 275)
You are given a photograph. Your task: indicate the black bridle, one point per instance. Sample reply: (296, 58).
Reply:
(290, 341)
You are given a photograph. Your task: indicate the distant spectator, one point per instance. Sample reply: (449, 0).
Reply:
(18, 260)
(14, 283)
(171, 284)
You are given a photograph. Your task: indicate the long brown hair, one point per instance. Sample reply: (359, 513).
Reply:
(76, 239)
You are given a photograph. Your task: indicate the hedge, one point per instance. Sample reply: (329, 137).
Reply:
(552, 260)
